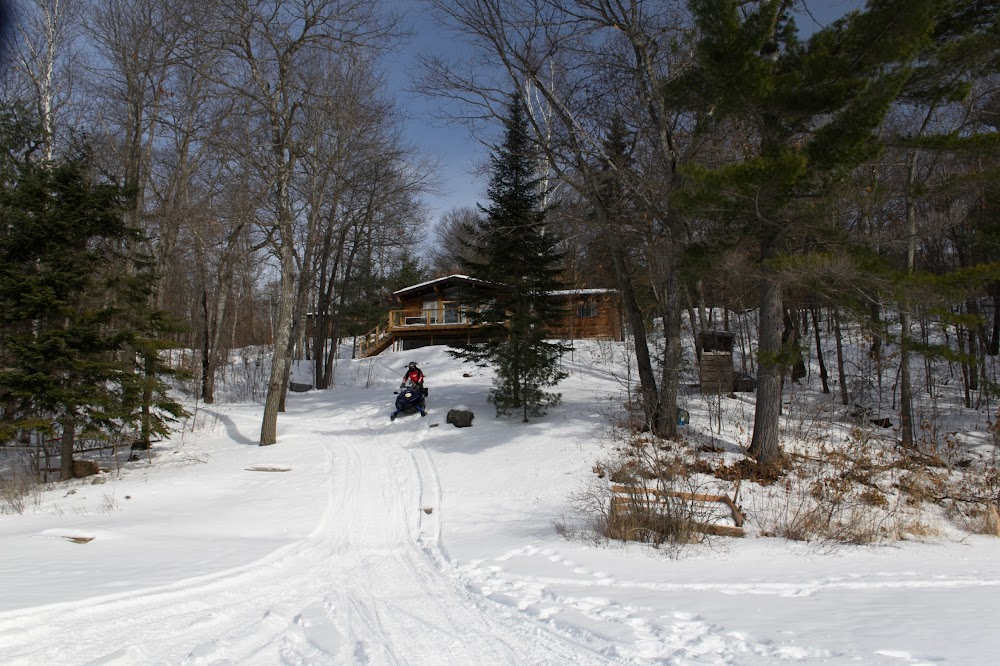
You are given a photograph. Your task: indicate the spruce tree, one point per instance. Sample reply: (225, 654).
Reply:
(74, 305)
(518, 256)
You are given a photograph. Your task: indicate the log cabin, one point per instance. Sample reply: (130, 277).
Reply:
(430, 313)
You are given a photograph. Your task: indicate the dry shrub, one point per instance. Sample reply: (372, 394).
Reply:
(917, 529)
(975, 517)
(921, 485)
(841, 494)
(13, 495)
(991, 520)
(645, 471)
(638, 516)
(862, 489)
(747, 469)
(874, 498)
(19, 489)
(837, 517)
(972, 496)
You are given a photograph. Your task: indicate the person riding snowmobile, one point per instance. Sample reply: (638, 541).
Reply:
(413, 374)
(412, 393)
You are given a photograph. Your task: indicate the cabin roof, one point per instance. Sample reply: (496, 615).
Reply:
(430, 285)
(581, 292)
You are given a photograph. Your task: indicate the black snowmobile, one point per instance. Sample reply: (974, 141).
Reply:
(410, 399)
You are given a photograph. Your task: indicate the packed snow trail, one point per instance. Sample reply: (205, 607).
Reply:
(368, 586)
(340, 545)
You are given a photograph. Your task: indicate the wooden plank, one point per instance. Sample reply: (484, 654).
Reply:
(628, 493)
(625, 504)
(721, 530)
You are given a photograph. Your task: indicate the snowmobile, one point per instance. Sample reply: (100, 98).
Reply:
(410, 399)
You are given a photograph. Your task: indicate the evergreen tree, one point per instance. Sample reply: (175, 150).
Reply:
(515, 253)
(810, 112)
(74, 306)
(369, 298)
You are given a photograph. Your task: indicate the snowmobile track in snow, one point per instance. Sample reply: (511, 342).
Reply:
(370, 585)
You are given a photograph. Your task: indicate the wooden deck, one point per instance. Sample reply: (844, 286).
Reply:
(413, 323)
(433, 318)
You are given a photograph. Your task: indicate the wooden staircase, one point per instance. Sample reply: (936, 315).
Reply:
(376, 341)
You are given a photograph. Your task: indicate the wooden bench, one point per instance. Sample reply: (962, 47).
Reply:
(625, 498)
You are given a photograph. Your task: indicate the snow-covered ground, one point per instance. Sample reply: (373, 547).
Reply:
(354, 540)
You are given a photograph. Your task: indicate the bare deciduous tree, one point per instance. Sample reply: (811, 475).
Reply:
(44, 55)
(450, 236)
(578, 64)
(275, 51)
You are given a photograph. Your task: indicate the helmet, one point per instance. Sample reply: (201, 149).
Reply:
(411, 364)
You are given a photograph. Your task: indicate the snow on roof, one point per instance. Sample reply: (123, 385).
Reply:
(581, 292)
(435, 281)
(467, 278)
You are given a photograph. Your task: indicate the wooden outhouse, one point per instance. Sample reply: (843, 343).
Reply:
(715, 361)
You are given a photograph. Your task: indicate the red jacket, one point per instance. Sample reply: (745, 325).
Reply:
(415, 376)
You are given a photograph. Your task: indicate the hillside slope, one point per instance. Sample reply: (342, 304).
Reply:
(359, 541)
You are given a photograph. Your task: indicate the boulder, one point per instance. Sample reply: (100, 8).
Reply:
(460, 418)
(83, 468)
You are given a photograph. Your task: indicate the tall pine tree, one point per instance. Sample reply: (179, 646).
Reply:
(809, 112)
(78, 340)
(519, 257)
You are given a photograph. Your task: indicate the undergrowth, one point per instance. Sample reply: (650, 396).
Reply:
(858, 488)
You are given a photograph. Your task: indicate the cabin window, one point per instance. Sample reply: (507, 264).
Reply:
(431, 311)
(586, 310)
(451, 312)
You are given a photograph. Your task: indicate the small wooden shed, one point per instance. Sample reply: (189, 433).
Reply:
(588, 313)
(715, 361)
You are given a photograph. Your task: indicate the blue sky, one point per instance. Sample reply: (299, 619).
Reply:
(455, 150)
(452, 146)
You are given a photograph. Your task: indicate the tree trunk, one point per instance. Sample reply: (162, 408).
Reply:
(791, 345)
(223, 285)
(823, 377)
(995, 336)
(146, 409)
(207, 381)
(338, 320)
(963, 365)
(838, 335)
(66, 448)
(905, 382)
(223, 288)
(905, 385)
(875, 351)
(764, 444)
(973, 309)
(671, 372)
(323, 357)
(694, 328)
(282, 333)
(647, 380)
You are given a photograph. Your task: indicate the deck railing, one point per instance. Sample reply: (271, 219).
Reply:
(412, 319)
(417, 317)
(370, 342)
